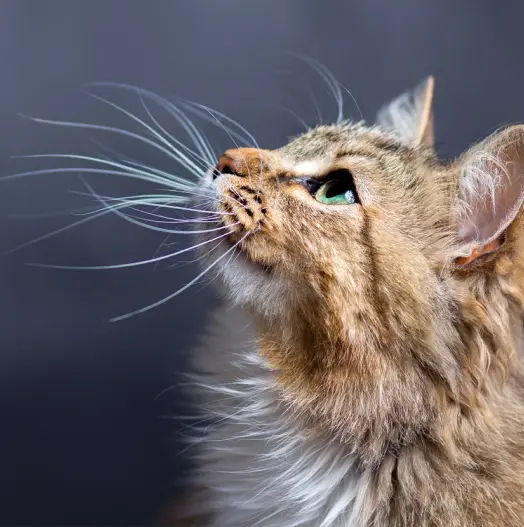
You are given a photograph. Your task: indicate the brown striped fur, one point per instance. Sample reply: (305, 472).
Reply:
(386, 343)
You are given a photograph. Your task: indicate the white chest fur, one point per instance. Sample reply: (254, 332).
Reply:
(257, 462)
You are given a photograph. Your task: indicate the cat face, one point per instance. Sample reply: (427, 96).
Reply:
(355, 250)
(331, 215)
(335, 219)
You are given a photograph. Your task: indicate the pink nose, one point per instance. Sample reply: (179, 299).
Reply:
(238, 162)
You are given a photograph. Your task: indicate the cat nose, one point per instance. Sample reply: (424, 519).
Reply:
(237, 162)
(226, 165)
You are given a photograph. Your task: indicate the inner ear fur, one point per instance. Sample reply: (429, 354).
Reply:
(410, 115)
(490, 194)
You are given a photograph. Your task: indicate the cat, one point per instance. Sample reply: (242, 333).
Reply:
(366, 367)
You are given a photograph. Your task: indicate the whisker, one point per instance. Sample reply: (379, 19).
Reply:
(65, 170)
(54, 214)
(354, 101)
(110, 129)
(201, 257)
(112, 154)
(333, 85)
(153, 200)
(292, 113)
(331, 81)
(167, 219)
(130, 264)
(191, 129)
(55, 232)
(180, 185)
(228, 131)
(210, 115)
(128, 218)
(183, 159)
(182, 289)
(235, 192)
(157, 252)
(200, 141)
(169, 222)
(223, 116)
(163, 178)
(156, 202)
(215, 113)
(200, 158)
(320, 118)
(107, 209)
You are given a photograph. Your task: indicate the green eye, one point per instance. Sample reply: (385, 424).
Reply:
(337, 191)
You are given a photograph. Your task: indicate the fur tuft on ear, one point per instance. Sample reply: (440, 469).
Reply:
(490, 192)
(410, 116)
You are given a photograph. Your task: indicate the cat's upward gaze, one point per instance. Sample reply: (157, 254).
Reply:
(368, 369)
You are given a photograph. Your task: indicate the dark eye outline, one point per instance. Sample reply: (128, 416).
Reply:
(312, 185)
(341, 176)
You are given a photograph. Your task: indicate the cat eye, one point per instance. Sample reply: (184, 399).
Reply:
(337, 188)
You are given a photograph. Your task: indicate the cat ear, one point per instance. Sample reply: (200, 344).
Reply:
(491, 192)
(410, 116)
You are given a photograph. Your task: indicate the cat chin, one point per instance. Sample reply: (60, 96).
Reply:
(245, 283)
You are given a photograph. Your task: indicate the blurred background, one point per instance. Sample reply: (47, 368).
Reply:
(87, 437)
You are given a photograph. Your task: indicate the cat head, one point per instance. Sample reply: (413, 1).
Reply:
(367, 264)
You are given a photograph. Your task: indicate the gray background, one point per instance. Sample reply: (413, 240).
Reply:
(83, 438)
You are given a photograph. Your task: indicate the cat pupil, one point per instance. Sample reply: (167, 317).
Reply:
(339, 189)
(336, 189)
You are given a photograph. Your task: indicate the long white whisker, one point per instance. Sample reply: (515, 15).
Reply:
(226, 118)
(55, 232)
(201, 159)
(65, 170)
(354, 101)
(215, 113)
(55, 214)
(157, 252)
(332, 83)
(202, 256)
(146, 225)
(168, 180)
(162, 219)
(131, 165)
(110, 129)
(107, 209)
(327, 76)
(166, 219)
(207, 114)
(130, 264)
(187, 124)
(181, 157)
(112, 154)
(182, 289)
(304, 85)
(201, 143)
(292, 113)
(153, 200)
(170, 222)
(128, 218)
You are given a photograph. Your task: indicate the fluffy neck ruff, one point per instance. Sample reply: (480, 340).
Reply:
(267, 464)
(262, 462)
